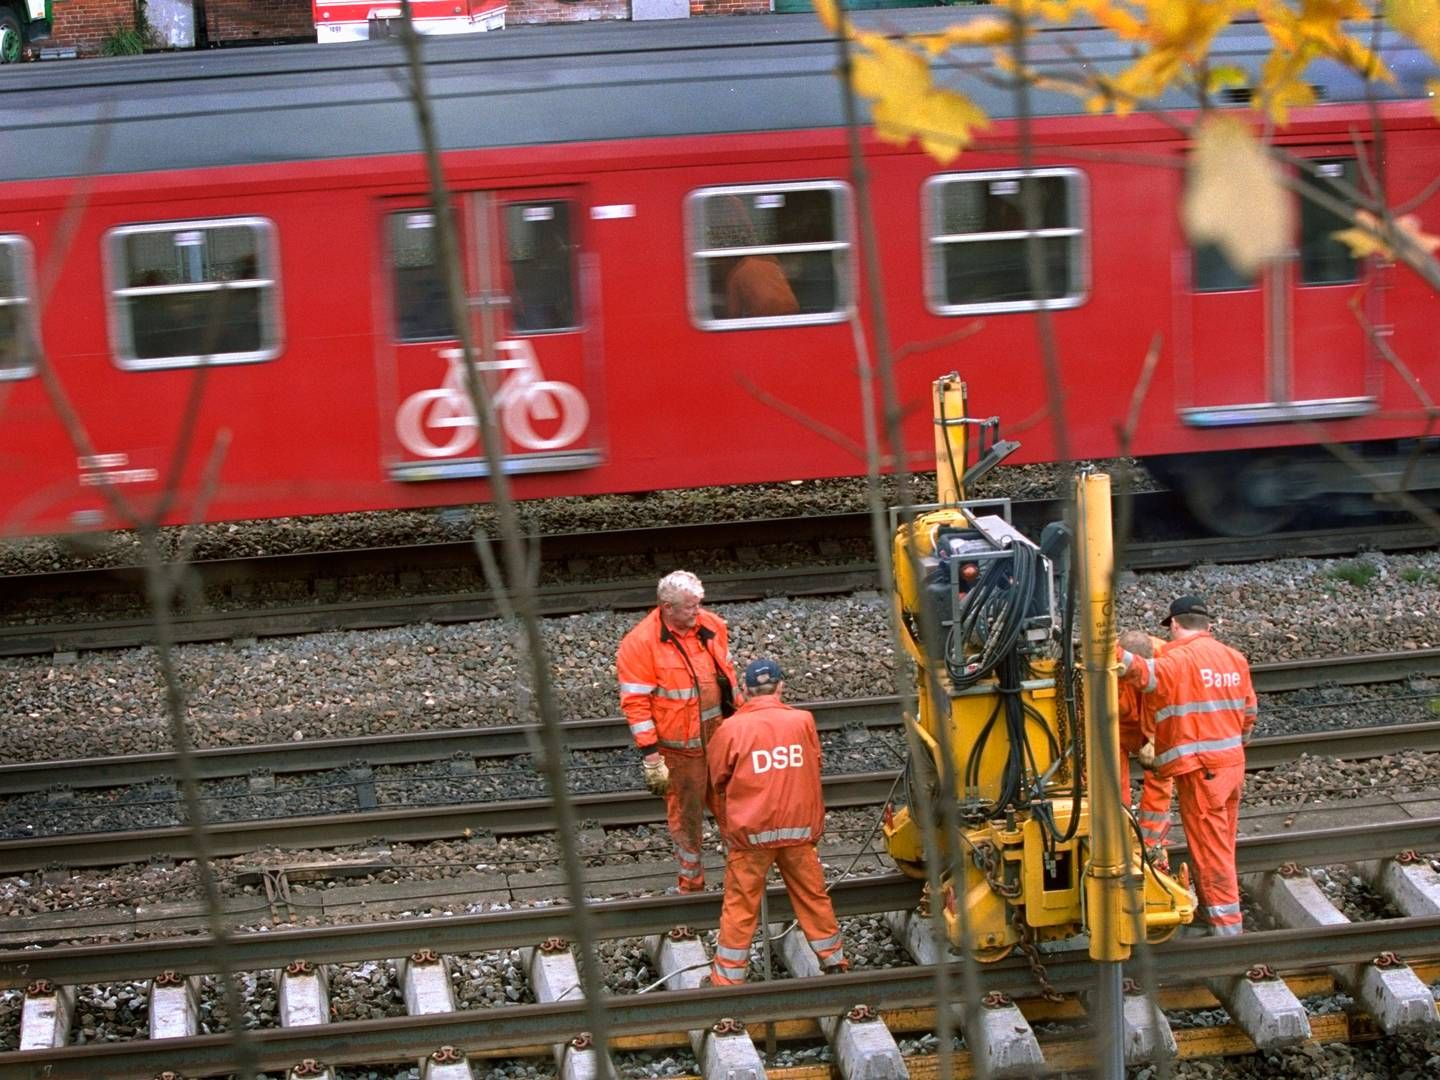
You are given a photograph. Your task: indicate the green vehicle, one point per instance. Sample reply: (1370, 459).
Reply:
(21, 22)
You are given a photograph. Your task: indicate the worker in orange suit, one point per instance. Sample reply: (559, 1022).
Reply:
(765, 761)
(676, 685)
(1204, 707)
(1137, 732)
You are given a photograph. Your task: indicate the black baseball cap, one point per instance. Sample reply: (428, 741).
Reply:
(763, 672)
(1186, 605)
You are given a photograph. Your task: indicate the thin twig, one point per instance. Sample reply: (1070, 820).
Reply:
(893, 428)
(521, 594)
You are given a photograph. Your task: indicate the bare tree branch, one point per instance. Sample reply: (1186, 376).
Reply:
(522, 595)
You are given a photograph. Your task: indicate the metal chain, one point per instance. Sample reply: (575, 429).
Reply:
(1037, 969)
(985, 859)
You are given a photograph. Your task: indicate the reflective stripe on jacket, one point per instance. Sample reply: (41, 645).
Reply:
(667, 680)
(765, 761)
(1137, 710)
(1203, 699)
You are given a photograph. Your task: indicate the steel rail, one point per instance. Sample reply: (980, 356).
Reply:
(559, 599)
(401, 1038)
(611, 733)
(520, 816)
(339, 563)
(615, 918)
(451, 934)
(564, 599)
(510, 817)
(408, 748)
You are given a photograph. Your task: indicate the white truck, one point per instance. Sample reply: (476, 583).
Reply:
(21, 22)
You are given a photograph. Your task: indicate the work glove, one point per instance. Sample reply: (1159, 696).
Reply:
(657, 774)
(1147, 756)
(1246, 736)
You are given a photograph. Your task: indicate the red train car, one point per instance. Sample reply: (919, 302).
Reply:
(659, 223)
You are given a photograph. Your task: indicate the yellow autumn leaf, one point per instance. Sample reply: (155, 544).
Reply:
(1233, 196)
(905, 102)
(1052, 11)
(1116, 18)
(1418, 20)
(1300, 37)
(1283, 86)
(1217, 78)
(983, 31)
(1368, 236)
(1176, 34)
(829, 13)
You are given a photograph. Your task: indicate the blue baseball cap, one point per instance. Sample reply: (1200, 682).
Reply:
(763, 672)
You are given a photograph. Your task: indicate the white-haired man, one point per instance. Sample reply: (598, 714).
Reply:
(676, 685)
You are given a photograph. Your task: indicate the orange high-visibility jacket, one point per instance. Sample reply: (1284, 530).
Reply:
(1204, 703)
(1137, 710)
(662, 675)
(765, 761)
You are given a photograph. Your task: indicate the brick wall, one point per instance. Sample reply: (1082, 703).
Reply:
(523, 12)
(729, 7)
(262, 20)
(86, 23)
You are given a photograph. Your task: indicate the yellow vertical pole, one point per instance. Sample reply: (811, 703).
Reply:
(951, 438)
(1109, 851)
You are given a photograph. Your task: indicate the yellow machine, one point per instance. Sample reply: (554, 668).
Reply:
(990, 619)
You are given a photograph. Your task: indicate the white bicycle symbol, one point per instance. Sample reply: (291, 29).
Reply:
(523, 398)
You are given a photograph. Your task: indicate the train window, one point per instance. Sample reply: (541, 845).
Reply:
(1211, 271)
(1323, 259)
(197, 292)
(16, 361)
(422, 308)
(977, 235)
(540, 259)
(772, 255)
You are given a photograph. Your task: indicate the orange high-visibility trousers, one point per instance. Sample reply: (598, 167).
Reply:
(745, 872)
(690, 793)
(1156, 793)
(1210, 815)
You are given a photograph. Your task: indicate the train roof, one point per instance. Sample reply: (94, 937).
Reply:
(519, 86)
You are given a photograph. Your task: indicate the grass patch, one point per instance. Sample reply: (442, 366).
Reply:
(1358, 574)
(1417, 575)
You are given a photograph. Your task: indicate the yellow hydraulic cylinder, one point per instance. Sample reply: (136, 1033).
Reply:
(1109, 848)
(951, 439)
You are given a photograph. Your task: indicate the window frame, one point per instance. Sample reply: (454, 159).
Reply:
(1315, 174)
(696, 257)
(571, 205)
(934, 242)
(121, 327)
(392, 293)
(25, 278)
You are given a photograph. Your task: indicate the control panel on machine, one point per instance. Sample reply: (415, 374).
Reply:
(991, 591)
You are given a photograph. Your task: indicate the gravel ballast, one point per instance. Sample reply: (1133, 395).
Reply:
(425, 676)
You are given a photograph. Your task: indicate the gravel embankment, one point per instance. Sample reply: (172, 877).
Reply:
(425, 676)
(337, 791)
(408, 678)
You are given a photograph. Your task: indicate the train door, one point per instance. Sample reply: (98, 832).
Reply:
(527, 281)
(1289, 344)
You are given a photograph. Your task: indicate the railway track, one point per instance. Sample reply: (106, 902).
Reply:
(405, 568)
(1191, 973)
(463, 744)
(520, 817)
(354, 759)
(899, 998)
